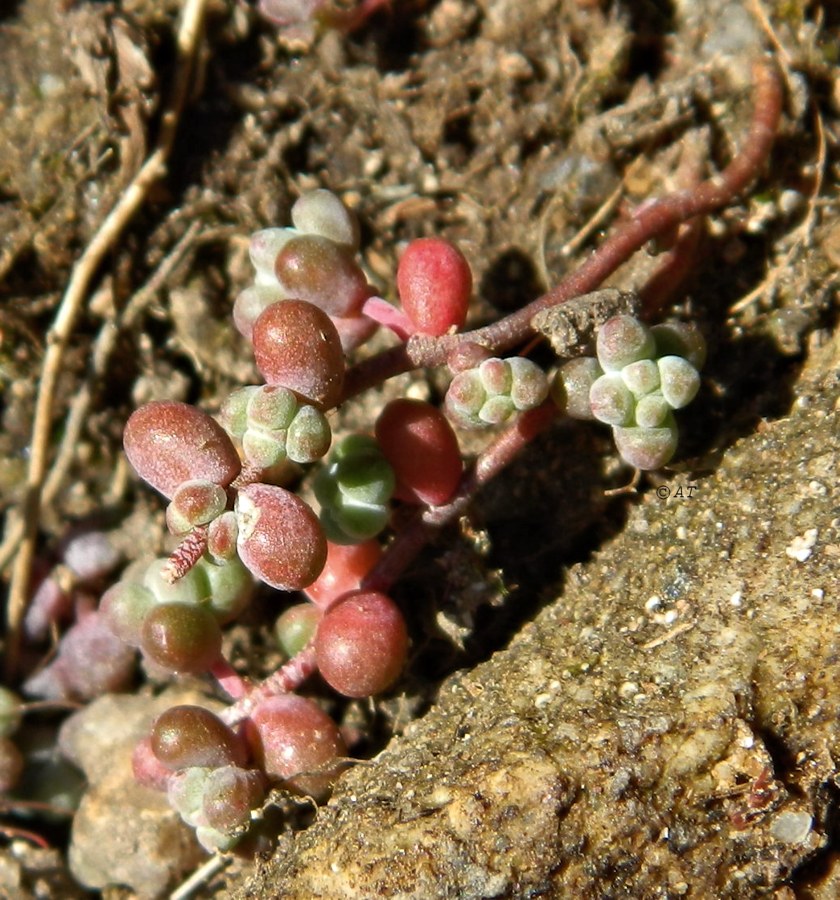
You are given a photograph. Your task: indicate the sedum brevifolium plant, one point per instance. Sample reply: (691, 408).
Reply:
(637, 379)
(234, 510)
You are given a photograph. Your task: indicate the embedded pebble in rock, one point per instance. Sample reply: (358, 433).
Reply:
(124, 834)
(792, 827)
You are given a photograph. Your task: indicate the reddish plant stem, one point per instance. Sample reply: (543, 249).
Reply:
(673, 270)
(287, 678)
(410, 539)
(229, 680)
(12, 832)
(650, 221)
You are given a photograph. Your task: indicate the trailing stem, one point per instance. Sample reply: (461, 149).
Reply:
(650, 221)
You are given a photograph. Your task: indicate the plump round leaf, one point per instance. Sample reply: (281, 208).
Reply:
(169, 443)
(191, 588)
(571, 385)
(250, 304)
(346, 566)
(194, 503)
(647, 448)
(186, 735)
(680, 339)
(322, 272)
(321, 212)
(296, 627)
(221, 537)
(231, 587)
(652, 410)
(611, 400)
(181, 638)
(230, 794)
(622, 340)
(297, 346)
(680, 381)
(280, 539)
(529, 384)
(148, 770)
(419, 443)
(185, 793)
(125, 606)
(233, 415)
(434, 283)
(309, 436)
(297, 742)
(271, 408)
(641, 377)
(465, 398)
(354, 490)
(263, 248)
(361, 644)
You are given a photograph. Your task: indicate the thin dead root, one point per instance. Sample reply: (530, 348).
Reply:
(69, 309)
(200, 877)
(802, 234)
(632, 487)
(77, 414)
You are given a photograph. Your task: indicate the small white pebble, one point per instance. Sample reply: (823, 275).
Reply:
(653, 603)
(790, 201)
(628, 689)
(817, 489)
(801, 546)
(682, 534)
(736, 599)
(542, 700)
(818, 593)
(670, 617)
(791, 827)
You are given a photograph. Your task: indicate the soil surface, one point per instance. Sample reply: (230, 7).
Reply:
(611, 692)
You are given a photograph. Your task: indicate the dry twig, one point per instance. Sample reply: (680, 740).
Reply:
(83, 273)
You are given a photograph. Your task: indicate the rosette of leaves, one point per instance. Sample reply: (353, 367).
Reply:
(492, 392)
(314, 261)
(638, 378)
(273, 425)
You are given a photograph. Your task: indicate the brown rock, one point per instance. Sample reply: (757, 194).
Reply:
(662, 728)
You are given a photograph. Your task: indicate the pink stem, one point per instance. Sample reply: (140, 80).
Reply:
(230, 681)
(186, 554)
(287, 678)
(12, 832)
